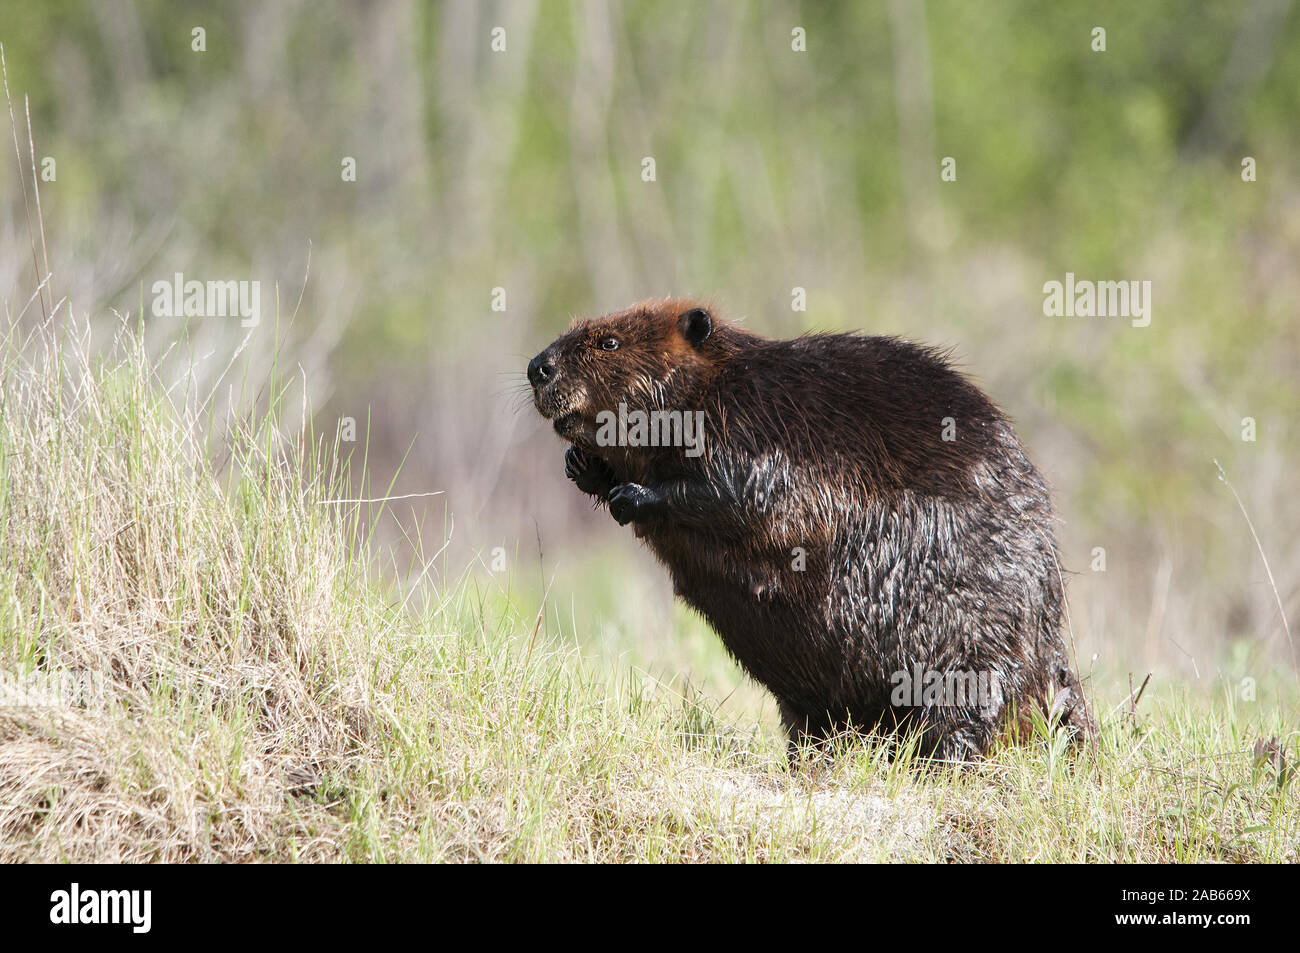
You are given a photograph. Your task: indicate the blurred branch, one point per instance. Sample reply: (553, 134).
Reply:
(483, 97)
(1249, 62)
(915, 99)
(604, 250)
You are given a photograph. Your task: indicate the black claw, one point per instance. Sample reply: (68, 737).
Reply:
(592, 474)
(631, 501)
(620, 507)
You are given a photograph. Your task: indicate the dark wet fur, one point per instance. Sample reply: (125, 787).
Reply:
(919, 551)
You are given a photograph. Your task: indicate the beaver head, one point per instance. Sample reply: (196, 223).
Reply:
(652, 356)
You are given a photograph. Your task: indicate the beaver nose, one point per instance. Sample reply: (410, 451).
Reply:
(540, 370)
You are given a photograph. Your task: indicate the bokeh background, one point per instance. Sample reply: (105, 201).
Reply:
(521, 170)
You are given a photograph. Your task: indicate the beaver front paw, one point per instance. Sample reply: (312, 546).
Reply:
(632, 501)
(591, 474)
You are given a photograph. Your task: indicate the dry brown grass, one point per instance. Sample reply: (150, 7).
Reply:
(198, 669)
(207, 626)
(202, 663)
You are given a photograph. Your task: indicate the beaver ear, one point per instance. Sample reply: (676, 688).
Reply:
(696, 326)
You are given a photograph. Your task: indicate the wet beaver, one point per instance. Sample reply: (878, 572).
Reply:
(856, 519)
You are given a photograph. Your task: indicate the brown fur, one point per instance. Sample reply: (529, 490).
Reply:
(828, 531)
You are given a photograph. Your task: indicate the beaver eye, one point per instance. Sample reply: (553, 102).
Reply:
(609, 344)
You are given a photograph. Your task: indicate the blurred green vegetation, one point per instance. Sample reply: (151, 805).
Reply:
(775, 169)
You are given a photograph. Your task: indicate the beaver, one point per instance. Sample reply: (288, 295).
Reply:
(855, 518)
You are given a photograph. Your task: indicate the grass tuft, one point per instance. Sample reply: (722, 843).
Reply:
(199, 661)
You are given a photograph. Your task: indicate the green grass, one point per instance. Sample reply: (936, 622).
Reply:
(255, 687)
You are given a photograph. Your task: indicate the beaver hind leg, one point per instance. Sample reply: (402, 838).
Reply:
(940, 734)
(804, 734)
